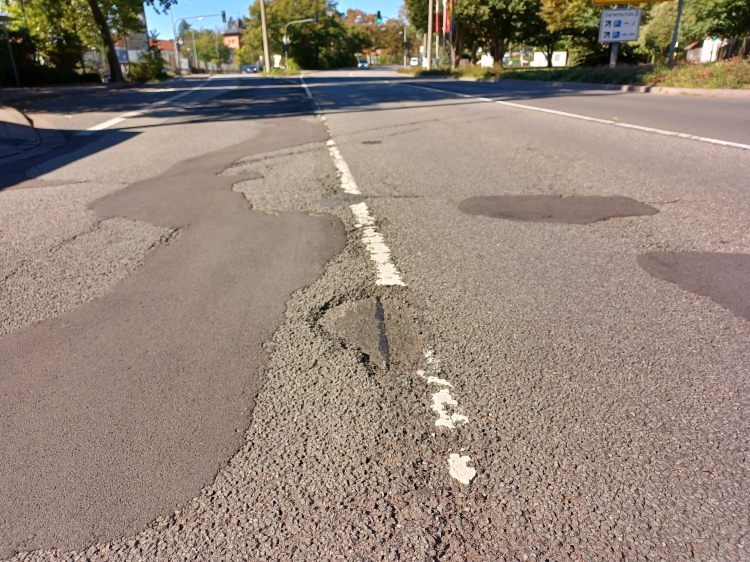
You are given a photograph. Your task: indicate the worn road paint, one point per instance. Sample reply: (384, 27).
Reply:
(433, 380)
(439, 402)
(594, 119)
(124, 116)
(388, 274)
(460, 470)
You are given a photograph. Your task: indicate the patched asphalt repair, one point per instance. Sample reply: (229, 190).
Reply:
(576, 209)
(131, 403)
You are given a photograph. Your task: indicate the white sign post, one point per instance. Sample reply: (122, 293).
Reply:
(618, 26)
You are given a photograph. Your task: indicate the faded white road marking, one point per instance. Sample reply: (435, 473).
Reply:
(587, 118)
(124, 116)
(460, 470)
(380, 254)
(439, 402)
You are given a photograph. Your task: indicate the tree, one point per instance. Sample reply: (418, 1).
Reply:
(60, 31)
(210, 47)
(386, 36)
(329, 44)
(656, 33)
(122, 17)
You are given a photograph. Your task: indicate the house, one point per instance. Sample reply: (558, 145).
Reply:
(233, 39)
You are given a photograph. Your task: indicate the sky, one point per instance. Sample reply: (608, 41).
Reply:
(234, 8)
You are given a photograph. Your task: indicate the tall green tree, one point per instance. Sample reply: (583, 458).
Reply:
(328, 44)
(120, 17)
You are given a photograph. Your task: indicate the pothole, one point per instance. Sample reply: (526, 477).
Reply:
(721, 277)
(578, 209)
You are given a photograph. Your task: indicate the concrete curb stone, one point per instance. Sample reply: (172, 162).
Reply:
(707, 92)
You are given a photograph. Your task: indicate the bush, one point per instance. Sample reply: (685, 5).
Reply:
(150, 68)
(32, 75)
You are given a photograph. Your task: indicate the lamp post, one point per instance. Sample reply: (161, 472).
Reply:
(313, 19)
(222, 15)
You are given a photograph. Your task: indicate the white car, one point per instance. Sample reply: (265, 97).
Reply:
(414, 61)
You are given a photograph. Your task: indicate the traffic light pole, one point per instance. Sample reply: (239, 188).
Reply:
(673, 44)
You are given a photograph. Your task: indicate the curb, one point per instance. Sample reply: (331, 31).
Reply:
(704, 92)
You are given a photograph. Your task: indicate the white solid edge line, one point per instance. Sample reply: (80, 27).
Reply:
(121, 118)
(594, 119)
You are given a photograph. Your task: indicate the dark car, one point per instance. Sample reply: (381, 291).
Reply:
(363, 65)
(250, 69)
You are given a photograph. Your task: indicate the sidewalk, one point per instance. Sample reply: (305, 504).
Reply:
(17, 134)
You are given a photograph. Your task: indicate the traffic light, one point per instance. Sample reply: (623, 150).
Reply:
(315, 17)
(223, 16)
(379, 18)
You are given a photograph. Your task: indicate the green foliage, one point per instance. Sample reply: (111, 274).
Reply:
(724, 74)
(151, 67)
(210, 47)
(330, 44)
(572, 25)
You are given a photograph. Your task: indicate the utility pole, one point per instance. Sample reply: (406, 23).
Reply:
(176, 50)
(266, 55)
(429, 36)
(404, 45)
(673, 44)
(195, 50)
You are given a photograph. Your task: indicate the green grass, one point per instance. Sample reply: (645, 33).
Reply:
(731, 74)
(724, 74)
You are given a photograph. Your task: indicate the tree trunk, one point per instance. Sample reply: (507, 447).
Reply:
(550, 49)
(109, 45)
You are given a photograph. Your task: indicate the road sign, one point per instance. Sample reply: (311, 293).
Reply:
(618, 26)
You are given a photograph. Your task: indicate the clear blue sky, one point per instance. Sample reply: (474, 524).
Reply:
(185, 8)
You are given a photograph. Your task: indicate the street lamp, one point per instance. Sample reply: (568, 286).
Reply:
(222, 15)
(313, 19)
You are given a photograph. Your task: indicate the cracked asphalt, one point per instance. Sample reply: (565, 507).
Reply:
(198, 363)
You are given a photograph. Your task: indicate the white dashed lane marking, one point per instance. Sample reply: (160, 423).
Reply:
(114, 121)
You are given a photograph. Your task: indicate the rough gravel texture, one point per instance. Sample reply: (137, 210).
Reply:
(607, 411)
(56, 254)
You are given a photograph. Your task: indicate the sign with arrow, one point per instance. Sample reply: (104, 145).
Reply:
(618, 26)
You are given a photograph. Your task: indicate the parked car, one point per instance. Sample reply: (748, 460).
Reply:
(363, 65)
(414, 61)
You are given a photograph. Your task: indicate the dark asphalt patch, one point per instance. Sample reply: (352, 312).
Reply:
(724, 278)
(360, 325)
(552, 208)
(372, 142)
(126, 407)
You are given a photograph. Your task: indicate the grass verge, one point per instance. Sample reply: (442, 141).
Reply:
(730, 74)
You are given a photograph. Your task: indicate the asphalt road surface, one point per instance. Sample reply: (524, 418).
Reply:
(360, 317)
